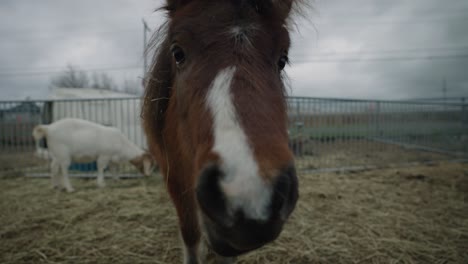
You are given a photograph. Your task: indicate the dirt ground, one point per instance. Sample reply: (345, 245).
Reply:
(10, 162)
(400, 215)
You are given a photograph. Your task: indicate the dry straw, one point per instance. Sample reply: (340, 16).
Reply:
(406, 215)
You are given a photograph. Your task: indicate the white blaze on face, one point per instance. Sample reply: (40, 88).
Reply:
(242, 184)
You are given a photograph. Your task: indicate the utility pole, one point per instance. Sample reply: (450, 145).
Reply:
(146, 29)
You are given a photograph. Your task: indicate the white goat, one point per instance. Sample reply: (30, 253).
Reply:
(76, 140)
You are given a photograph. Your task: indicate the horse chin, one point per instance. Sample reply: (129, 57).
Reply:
(239, 239)
(223, 247)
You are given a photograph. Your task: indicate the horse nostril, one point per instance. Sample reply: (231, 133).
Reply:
(285, 193)
(210, 197)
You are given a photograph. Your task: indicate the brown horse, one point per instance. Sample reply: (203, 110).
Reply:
(215, 117)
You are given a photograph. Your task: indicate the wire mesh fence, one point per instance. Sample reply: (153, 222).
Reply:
(338, 133)
(324, 133)
(18, 118)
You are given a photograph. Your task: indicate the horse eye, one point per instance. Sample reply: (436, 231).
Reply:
(282, 62)
(178, 55)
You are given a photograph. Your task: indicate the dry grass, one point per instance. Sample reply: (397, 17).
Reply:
(406, 215)
(361, 153)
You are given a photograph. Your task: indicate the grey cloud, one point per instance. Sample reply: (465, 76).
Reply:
(38, 35)
(387, 25)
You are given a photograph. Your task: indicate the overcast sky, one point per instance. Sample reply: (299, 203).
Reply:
(376, 49)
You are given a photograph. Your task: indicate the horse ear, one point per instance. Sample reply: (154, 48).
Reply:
(173, 5)
(285, 3)
(284, 7)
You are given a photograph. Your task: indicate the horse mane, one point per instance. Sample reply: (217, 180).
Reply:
(158, 83)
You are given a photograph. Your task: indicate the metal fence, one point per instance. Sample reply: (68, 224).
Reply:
(18, 118)
(324, 133)
(339, 133)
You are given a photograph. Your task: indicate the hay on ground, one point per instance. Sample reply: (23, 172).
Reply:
(406, 215)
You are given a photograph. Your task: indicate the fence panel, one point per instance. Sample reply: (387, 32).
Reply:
(339, 133)
(324, 133)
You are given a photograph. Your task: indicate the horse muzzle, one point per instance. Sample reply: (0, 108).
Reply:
(232, 232)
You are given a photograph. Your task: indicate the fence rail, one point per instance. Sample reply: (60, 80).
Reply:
(324, 133)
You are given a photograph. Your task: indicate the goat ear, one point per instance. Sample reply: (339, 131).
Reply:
(147, 167)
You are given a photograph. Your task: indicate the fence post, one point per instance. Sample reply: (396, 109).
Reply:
(47, 112)
(464, 125)
(378, 132)
(464, 114)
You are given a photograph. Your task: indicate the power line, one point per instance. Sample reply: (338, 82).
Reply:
(342, 60)
(75, 66)
(336, 19)
(410, 50)
(388, 21)
(385, 59)
(80, 26)
(59, 31)
(385, 22)
(419, 13)
(33, 73)
(64, 68)
(27, 38)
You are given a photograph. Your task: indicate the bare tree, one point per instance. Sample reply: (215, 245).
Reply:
(95, 81)
(103, 81)
(71, 78)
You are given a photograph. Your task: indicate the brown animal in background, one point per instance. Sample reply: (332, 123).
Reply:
(215, 117)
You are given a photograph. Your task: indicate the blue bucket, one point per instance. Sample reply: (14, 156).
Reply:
(83, 166)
